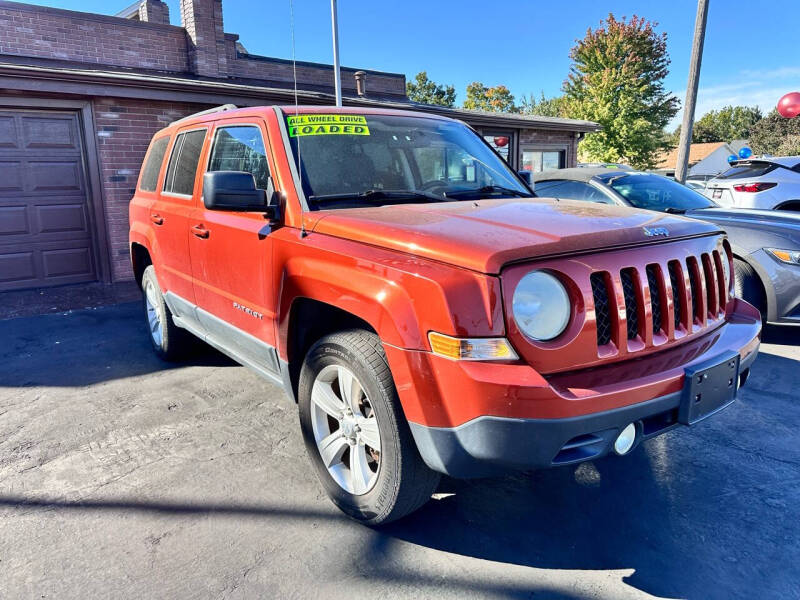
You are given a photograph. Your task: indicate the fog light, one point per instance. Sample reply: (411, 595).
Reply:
(624, 441)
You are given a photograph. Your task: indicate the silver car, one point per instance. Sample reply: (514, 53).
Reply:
(768, 183)
(765, 243)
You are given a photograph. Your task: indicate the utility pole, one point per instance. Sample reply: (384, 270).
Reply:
(691, 91)
(336, 74)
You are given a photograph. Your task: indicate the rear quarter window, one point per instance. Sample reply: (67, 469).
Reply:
(152, 165)
(183, 162)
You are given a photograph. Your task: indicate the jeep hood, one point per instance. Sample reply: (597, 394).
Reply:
(487, 234)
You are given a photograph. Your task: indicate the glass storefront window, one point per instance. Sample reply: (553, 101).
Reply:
(542, 160)
(501, 142)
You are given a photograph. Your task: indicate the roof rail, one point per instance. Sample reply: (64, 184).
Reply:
(209, 111)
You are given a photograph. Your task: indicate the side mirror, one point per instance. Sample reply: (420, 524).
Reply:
(526, 177)
(237, 191)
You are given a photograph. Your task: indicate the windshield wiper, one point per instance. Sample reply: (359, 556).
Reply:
(489, 189)
(378, 195)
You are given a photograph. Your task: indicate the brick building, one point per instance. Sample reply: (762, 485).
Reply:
(81, 95)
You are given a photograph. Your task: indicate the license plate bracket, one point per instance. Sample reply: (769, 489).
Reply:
(709, 387)
(717, 194)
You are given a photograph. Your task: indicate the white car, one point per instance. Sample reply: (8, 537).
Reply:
(758, 183)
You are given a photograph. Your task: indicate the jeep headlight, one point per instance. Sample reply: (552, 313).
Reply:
(541, 306)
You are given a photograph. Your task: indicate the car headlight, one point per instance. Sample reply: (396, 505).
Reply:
(541, 306)
(791, 257)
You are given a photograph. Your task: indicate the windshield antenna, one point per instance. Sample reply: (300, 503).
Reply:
(303, 232)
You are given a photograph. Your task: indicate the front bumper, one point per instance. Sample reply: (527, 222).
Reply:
(479, 419)
(488, 445)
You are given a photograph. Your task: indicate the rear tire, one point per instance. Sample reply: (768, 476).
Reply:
(396, 481)
(749, 288)
(169, 341)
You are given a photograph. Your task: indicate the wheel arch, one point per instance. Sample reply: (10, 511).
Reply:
(762, 278)
(140, 260)
(791, 205)
(310, 320)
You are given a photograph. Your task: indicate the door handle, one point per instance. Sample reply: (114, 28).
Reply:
(157, 219)
(200, 231)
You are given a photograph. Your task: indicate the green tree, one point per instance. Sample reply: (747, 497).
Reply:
(773, 135)
(726, 124)
(617, 80)
(492, 99)
(426, 91)
(545, 107)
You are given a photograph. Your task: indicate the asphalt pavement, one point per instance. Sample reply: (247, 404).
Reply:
(125, 477)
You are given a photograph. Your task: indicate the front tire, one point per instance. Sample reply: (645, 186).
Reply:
(355, 432)
(169, 341)
(748, 287)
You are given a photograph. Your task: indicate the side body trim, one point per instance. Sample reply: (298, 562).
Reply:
(242, 347)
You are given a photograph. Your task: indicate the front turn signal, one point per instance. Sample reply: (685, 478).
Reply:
(471, 348)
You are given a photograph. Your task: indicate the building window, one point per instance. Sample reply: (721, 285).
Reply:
(501, 141)
(542, 160)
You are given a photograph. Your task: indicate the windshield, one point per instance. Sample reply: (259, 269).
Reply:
(654, 192)
(350, 161)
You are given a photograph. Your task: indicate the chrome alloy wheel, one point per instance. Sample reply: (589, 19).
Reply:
(153, 318)
(345, 429)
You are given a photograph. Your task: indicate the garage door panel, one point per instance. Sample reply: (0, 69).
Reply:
(49, 132)
(11, 179)
(17, 267)
(55, 176)
(67, 261)
(14, 221)
(8, 132)
(62, 218)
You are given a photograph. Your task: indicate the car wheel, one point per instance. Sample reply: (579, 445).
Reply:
(169, 341)
(748, 286)
(355, 432)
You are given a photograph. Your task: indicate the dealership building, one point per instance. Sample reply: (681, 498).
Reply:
(81, 95)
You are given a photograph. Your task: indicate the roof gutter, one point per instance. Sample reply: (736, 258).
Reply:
(91, 82)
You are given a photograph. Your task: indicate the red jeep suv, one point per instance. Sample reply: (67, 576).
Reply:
(426, 311)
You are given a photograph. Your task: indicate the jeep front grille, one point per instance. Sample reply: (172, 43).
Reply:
(602, 314)
(627, 277)
(688, 297)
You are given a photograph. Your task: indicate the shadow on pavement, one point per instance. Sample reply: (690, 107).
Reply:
(788, 335)
(85, 347)
(377, 554)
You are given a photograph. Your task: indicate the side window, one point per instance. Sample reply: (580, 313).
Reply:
(152, 167)
(240, 148)
(182, 167)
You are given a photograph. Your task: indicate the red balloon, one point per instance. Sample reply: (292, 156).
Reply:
(501, 140)
(789, 105)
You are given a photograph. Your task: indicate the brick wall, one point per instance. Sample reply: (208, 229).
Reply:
(555, 138)
(201, 48)
(154, 11)
(124, 129)
(261, 67)
(45, 32)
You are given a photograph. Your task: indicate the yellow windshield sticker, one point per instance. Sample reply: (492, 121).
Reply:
(327, 125)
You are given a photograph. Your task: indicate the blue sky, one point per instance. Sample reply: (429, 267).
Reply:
(751, 51)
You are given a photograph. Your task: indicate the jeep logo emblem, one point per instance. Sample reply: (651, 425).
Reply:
(656, 231)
